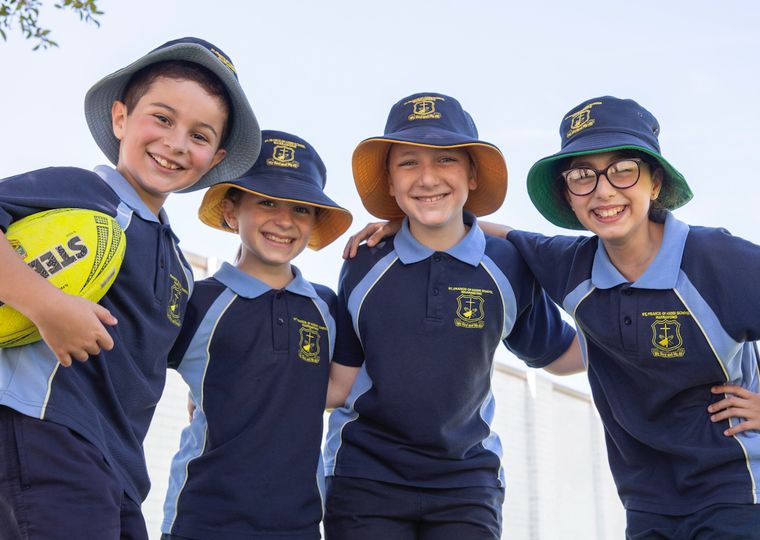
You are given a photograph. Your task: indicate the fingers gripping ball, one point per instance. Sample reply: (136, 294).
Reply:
(79, 251)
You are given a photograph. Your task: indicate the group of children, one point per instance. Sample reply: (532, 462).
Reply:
(666, 326)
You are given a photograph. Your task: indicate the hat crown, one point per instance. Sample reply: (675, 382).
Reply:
(608, 114)
(219, 53)
(430, 112)
(286, 155)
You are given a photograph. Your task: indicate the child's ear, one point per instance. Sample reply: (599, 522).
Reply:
(218, 157)
(657, 178)
(229, 215)
(391, 191)
(118, 118)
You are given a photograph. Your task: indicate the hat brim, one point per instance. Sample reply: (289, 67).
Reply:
(371, 172)
(244, 136)
(547, 192)
(332, 220)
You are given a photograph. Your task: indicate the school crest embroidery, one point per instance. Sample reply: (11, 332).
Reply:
(175, 311)
(666, 338)
(666, 333)
(309, 335)
(284, 153)
(581, 120)
(423, 108)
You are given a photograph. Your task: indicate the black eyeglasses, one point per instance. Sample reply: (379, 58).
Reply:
(621, 174)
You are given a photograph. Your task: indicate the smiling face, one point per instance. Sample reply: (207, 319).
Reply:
(272, 233)
(618, 216)
(431, 186)
(170, 139)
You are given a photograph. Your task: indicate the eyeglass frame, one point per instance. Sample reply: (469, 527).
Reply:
(600, 172)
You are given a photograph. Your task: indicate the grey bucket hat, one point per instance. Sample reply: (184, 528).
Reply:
(244, 139)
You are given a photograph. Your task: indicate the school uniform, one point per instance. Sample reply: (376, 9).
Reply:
(91, 418)
(423, 326)
(653, 349)
(256, 360)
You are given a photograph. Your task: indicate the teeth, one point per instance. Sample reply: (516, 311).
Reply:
(165, 163)
(431, 198)
(277, 239)
(609, 212)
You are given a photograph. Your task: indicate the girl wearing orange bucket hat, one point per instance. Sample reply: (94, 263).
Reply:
(409, 452)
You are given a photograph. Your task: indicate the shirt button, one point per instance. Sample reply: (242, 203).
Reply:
(435, 291)
(279, 295)
(627, 321)
(628, 292)
(280, 321)
(437, 258)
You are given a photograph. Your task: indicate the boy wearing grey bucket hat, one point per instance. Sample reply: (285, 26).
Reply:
(176, 119)
(258, 381)
(667, 313)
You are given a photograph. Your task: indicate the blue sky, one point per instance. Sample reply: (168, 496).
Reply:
(329, 71)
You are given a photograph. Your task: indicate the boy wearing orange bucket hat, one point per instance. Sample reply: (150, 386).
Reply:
(255, 352)
(409, 452)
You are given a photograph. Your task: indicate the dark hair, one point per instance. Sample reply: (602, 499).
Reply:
(657, 211)
(139, 85)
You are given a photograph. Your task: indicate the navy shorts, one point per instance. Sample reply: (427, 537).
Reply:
(716, 522)
(371, 510)
(58, 486)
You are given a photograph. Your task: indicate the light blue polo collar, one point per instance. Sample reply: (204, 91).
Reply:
(662, 272)
(128, 195)
(469, 250)
(247, 286)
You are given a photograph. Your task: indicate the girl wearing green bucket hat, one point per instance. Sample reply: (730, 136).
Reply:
(667, 318)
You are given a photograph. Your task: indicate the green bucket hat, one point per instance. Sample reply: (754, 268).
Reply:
(603, 124)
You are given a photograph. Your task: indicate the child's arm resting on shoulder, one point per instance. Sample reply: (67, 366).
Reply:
(494, 229)
(341, 381)
(569, 362)
(71, 326)
(372, 233)
(741, 403)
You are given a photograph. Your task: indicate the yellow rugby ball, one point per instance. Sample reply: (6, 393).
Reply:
(79, 251)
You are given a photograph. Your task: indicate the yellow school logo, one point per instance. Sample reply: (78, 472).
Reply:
(666, 338)
(470, 312)
(308, 345)
(284, 153)
(224, 60)
(423, 108)
(176, 302)
(581, 120)
(309, 335)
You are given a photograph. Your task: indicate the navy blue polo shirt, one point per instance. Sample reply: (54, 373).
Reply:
(424, 326)
(654, 348)
(110, 399)
(257, 364)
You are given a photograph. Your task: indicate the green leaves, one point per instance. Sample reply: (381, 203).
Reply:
(24, 14)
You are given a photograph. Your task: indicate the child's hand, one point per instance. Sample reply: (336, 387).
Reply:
(494, 229)
(73, 327)
(190, 409)
(742, 403)
(372, 233)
